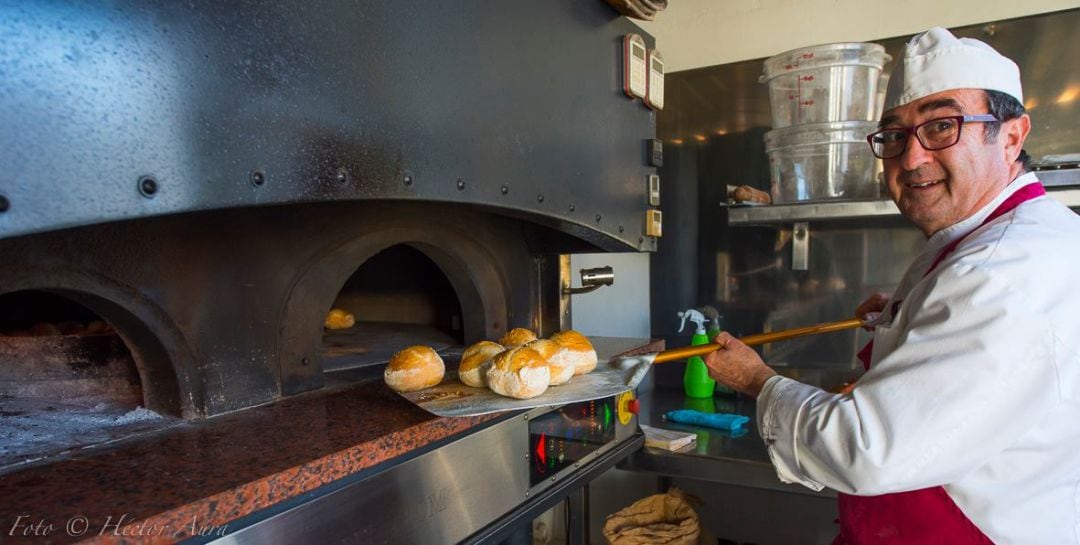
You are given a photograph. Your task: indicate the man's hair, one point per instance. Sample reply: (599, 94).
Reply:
(1005, 107)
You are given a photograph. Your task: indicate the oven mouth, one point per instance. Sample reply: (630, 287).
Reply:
(68, 379)
(398, 297)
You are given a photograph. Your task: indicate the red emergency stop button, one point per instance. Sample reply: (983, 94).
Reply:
(626, 407)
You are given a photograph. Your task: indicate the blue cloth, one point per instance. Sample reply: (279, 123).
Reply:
(720, 421)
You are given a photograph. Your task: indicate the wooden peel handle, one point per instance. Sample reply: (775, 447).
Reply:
(759, 339)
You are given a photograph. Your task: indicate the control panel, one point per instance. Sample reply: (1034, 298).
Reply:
(573, 433)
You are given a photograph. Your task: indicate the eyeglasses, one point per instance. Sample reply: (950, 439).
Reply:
(936, 134)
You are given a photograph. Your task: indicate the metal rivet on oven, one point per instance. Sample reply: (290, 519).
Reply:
(4, 204)
(572, 207)
(304, 362)
(407, 179)
(257, 178)
(147, 186)
(598, 218)
(505, 189)
(539, 198)
(640, 240)
(621, 229)
(460, 184)
(342, 175)
(552, 478)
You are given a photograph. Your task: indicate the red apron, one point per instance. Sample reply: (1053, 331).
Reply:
(928, 516)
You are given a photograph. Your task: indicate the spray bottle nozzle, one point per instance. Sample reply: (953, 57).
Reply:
(694, 316)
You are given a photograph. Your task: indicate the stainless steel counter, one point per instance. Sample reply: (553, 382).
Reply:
(718, 456)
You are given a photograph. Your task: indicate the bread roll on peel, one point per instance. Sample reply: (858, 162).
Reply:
(561, 370)
(414, 368)
(475, 362)
(339, 319)
(576, 350)
(519, 373)
(519, 336)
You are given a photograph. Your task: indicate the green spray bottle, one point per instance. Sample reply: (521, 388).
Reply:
(696, 380)
(716, 323)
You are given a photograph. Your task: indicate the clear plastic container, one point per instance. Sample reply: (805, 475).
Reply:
(825, 83)
(822, 161)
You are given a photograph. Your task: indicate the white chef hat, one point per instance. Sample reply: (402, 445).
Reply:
(936, 61)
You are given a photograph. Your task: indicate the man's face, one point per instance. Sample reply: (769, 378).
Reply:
(936, 189)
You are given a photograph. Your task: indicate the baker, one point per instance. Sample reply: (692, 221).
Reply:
(966, 426)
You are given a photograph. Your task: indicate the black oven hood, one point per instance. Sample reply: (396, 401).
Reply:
(126, 110)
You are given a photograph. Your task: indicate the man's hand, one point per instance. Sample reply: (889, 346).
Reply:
(871, 308)
(738, 366)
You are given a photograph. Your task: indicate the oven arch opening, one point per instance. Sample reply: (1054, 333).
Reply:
(398, 297)
(56, 350)
(482, 257)
(73, 373)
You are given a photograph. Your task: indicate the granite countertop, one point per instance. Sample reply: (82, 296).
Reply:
(194, 478)
(200, 475)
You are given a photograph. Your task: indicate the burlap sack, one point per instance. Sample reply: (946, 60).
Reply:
(664, 519)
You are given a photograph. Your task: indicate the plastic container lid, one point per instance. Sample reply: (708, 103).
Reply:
(820, 56)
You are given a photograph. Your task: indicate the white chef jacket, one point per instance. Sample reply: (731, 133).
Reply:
(974, 383)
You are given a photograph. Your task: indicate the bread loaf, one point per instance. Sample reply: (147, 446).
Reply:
(519, 336)
(519, 373)
(339, 319)
(745, 193)
(561, 370)
(475, 362)
(414, 368)
(576, 350)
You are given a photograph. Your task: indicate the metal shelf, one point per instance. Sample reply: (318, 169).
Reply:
(844, 210)
(811, 211)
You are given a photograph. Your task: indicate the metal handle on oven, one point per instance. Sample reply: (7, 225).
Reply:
(591, 279)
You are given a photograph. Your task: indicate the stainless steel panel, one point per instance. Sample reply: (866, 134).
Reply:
(545, 499)
(440, 497)
(847, 261)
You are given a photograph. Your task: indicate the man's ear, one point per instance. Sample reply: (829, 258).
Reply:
(1016, 131)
